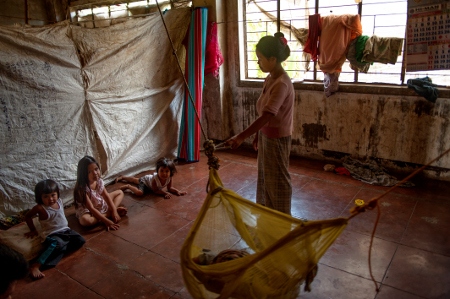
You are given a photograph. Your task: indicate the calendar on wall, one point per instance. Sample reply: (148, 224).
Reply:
(428, 35)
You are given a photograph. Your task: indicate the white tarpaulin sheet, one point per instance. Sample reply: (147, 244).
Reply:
(114, 93)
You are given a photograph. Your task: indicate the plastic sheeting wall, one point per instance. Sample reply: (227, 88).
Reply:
(113, 93)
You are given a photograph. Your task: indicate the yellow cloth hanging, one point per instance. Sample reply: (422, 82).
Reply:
(283, 251)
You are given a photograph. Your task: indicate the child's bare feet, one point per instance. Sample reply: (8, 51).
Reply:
(124, 187)
(35, 273)
(122, 211)
(119, 178)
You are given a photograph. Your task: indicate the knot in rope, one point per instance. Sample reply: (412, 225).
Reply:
(213, 161)
(213, 192)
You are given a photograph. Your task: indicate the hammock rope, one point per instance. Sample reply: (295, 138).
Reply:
(373, 203)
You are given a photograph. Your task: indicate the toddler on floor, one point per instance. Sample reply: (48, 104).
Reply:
(156, 182)
(59, 239)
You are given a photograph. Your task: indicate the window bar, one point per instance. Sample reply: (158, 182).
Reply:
(403, 72)
(316, 11)
(245, 42)
(278, 15)
(360, 15)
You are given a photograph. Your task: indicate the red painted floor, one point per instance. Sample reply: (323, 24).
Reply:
(410, 257)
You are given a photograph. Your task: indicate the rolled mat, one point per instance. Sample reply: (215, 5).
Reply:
(189, 139)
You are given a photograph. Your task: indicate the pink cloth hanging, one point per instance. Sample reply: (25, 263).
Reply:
(213, 58)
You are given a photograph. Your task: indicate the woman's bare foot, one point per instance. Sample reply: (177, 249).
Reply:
(122, 211)
(35, 273)
(119, 178)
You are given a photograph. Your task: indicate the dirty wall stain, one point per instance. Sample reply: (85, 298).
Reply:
(313, 133)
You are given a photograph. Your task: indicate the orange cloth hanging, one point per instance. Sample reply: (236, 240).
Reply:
(336, 34)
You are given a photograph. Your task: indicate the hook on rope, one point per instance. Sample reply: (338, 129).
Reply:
(359, 202)
(361, 206)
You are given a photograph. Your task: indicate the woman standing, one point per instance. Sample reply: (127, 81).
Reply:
(273, 128)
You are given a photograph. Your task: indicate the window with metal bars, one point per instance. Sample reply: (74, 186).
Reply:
(378, 17)
(105, 13)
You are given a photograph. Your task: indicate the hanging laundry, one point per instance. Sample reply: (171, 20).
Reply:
(213, 55)
(331, 83)
(312, 43)
(354, 51)
(359, 46)
(424, 87)
(336, 33)
(382, 49)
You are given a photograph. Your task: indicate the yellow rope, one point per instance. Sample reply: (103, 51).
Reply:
(373, 203)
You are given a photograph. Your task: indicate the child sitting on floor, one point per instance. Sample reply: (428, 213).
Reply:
(58, 237)
(156, 182)
(93, 203)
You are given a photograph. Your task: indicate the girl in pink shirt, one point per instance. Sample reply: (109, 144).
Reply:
(93, 203)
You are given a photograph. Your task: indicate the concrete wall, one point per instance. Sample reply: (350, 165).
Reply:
(400, 131)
